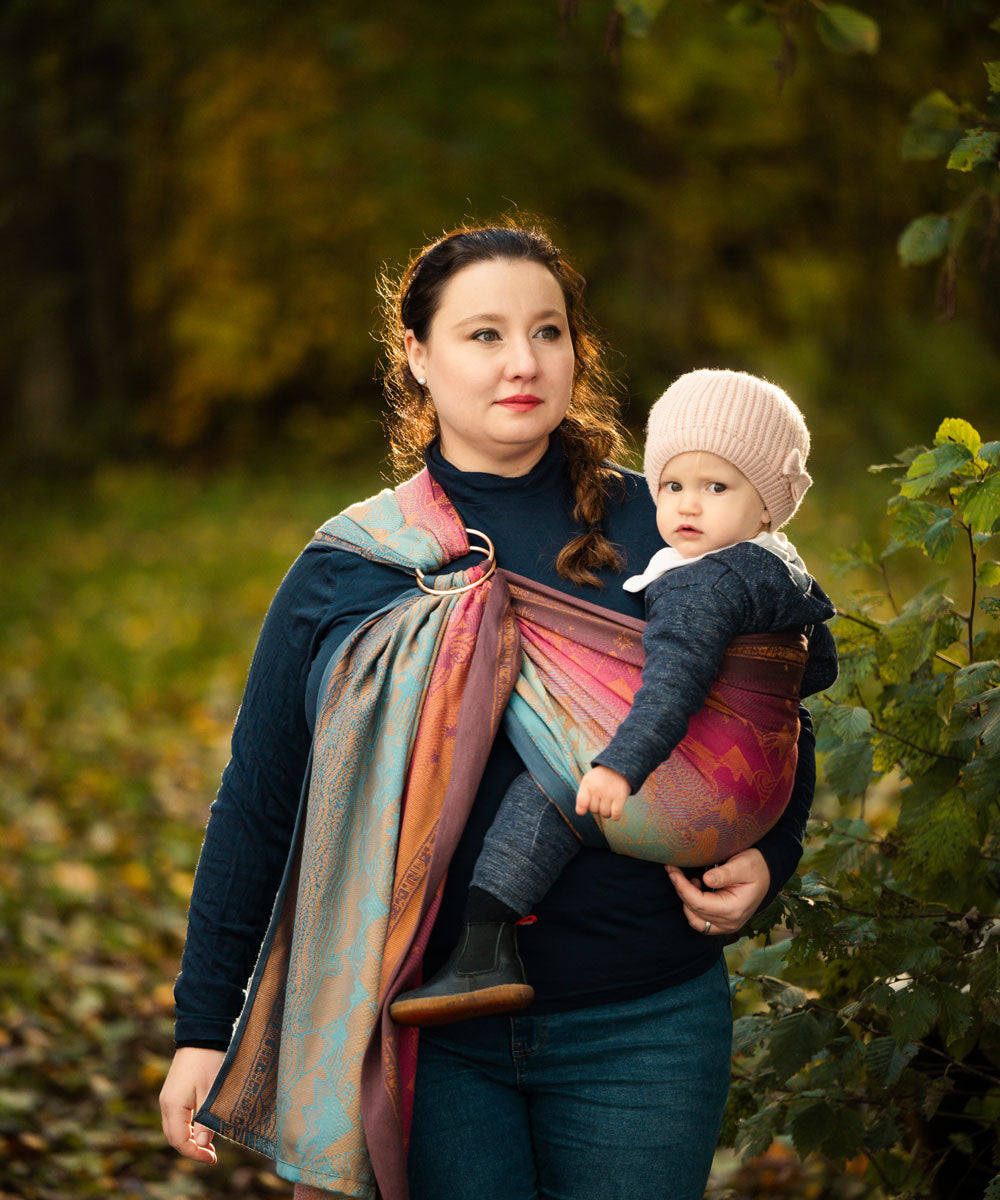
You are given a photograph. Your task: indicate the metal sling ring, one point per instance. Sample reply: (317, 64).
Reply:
(466, 587)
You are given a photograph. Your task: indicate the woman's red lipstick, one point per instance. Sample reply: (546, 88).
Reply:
(523, 402)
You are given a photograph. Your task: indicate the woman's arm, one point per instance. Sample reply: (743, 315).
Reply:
(252, 819)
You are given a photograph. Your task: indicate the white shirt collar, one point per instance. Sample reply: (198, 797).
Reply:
(668, 559)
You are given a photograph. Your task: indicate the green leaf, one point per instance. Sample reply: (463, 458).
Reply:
(988, 725)
(858, 557)
(639, 14)
(954, 429)
(957, 1014)
(846, 30)
(848, 769)
(929, 470)
(830, 855)
(990, 451)
(912, 521)
(780, 994)
(749, 1032)
(936, 1092)
(809, 1122)
(988, 574)
(766, 960)
(923, 240)
(745, 13)
(993, 1187)
(909, 640)
(940, 538)
(990, 606)
(920, 143)
(973, 681)
(929, 604)
(884, 1060)
(756, 1133)
(951, 828)
(979, 503)
(934, 127)
(981, 780)
(846, 1136)
(936, 108)
(912, 1014)
(848, 723)
(977, 146)
(984, 977)
(795, 1039)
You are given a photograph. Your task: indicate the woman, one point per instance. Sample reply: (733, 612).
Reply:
(613, 1083)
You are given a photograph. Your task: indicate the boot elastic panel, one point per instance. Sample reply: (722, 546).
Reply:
(484, 976)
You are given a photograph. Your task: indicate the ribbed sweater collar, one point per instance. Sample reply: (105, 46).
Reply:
(473, 486)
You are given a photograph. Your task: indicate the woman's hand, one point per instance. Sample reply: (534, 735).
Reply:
(737, 888)
(188, 1082)
(603, 792)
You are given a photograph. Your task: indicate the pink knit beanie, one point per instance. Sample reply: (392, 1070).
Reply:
(745, 420)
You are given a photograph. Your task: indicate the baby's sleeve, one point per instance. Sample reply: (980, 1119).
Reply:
(691, 617)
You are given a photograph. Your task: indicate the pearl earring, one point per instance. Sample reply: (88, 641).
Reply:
(421, 380)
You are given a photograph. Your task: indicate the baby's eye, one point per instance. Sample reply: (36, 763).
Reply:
(671, 485)
(489, 336)
(716, 488)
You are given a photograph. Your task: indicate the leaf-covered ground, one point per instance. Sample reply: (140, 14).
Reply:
(128, 614)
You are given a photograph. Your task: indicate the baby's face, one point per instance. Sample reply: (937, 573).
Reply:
(705, 503)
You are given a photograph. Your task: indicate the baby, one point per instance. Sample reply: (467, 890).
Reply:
(725, 462)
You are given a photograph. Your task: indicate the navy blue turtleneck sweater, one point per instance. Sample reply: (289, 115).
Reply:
(611, 928)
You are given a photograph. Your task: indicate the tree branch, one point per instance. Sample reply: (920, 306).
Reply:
(878, 629)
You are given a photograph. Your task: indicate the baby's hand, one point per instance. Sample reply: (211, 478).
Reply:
(603, 792)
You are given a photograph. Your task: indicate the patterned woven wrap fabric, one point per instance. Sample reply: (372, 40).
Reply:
(318, 1077)
(727, 782)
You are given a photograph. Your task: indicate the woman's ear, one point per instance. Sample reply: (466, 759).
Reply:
(414, 353)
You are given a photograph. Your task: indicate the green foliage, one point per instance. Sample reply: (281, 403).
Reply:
(924, 239)
(846, 30)
(970, 137)
(196, 205)
(876, 1026)
(935, 126)
(976, 146)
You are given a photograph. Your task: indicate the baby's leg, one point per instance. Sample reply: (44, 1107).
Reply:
(524, 850)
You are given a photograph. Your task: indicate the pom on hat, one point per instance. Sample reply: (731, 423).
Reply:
(745, 420)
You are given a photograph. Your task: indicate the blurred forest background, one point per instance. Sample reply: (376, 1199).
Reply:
(195, 202)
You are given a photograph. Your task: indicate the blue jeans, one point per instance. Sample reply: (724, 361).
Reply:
(615, 1102)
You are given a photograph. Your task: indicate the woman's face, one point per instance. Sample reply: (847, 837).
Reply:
(499, 364)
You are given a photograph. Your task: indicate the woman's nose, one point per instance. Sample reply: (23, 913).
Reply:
(522, 362)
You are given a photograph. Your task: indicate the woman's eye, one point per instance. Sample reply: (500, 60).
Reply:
(549, 333)
(486, 335)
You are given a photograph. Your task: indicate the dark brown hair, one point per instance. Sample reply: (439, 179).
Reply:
(590, 432)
